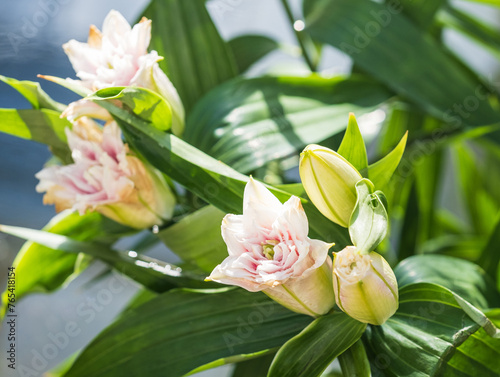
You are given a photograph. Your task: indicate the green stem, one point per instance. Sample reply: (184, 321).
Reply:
(354, 362)
(300, 37)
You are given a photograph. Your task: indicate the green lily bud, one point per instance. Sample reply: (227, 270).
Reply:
(330, 182)
(365, 286)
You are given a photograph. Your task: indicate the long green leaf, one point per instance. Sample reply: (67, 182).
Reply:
(43, 269)
(154, 274)
(433, 323)
(380, 172)
(462, 277)
(379, 38)
(484, 34)
(35, 95)
(490, 257)
(309, 353)
(43, 126)
(257, 367)
(354, 362)
(179, 331)
(421, 12)
(196, 57)
(248, 122)
(248, 49)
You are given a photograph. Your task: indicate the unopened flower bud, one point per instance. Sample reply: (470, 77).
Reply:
(330, 182)
(365, 286)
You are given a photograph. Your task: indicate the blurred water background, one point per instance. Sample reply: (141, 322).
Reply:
(43, 26)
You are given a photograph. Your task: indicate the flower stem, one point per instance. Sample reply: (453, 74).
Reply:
(300, 37)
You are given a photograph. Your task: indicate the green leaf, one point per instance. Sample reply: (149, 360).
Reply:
(379, 38)
(210, 179)
(154, 274)
(44, 269)
(424, 336)
(180, 331)
(369, 220)
(33, 92)
(353, 147)
(257, 367)
(421, 12)
(380, 172)
(143, 102)
(480, 31)
(248, 122)
(354, 362)
(43, 126)
(462, 277)
(197, 238)
(248, 49)
(309, 353)
(490, 257)
(196, 57)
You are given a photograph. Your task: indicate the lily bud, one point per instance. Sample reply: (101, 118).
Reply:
(269, 251)
(365, 286)
(330, 182)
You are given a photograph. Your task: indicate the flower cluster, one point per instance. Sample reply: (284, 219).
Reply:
(270, 251)
(105, 175)
(269, 245)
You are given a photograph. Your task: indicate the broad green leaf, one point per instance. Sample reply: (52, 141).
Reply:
(354, 362)
(369, 220)
(210, 179)
(425, 335)
(43, 126)
(380, 172)
(379, 38)
(490, 257)
(196, 57)
(248, 49)
(33, 92)
(181, 330)
(309, 353)
(353, 147)
(44, 269)
(145, 103)
(197, 238)
(248, 122)
(154, 274)
(257, 367)
(462, 277)
(480, 31)
(421, 12)
(478, 356)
